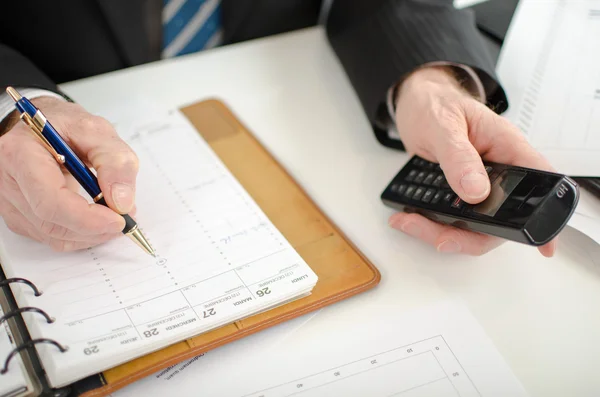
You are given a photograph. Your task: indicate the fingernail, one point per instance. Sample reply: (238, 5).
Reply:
(475, 185)
(448, 246)
(122, 196)
(411, 228)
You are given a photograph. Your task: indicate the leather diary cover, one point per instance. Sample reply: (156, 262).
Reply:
(342, 270)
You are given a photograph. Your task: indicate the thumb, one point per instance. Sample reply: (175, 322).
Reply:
(462, 164)
(114, 161)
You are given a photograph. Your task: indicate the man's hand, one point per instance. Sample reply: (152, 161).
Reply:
(441, 122)
(40, 199)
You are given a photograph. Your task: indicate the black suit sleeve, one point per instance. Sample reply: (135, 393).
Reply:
(380, 41)
(16, 70)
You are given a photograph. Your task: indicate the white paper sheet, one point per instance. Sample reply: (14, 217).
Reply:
(586, 225)
(436, 351)
(219, 259)
(549, 67)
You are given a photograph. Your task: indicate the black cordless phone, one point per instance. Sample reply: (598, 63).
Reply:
(524, 205)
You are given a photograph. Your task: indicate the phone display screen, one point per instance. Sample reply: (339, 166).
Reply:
(502, 187)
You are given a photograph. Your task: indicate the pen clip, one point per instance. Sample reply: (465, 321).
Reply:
(37, 125)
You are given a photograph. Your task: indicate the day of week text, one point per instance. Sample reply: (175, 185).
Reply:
(108, 337)
(242, 301)
(165, 320)
(181, 324)
(221, 300)
(275, 279)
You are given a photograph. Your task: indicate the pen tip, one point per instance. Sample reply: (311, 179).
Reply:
(13, 94)
(138, 237)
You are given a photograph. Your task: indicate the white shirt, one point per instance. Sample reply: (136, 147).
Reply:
(7, 105)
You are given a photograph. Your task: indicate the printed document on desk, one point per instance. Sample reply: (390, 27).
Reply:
(436, 351)
(549, 67)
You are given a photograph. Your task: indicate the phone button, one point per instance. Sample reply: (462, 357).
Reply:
(411, 176)
(437, 197)
(420, 177)
(438, 180)
(419, 193)
(428, 195)
(409, 191)
(429, 178)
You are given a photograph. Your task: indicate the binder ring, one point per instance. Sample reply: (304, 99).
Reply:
(36, 291)
(26, 345)
(49, 319)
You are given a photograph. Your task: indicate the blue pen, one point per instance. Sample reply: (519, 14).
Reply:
(65, 156)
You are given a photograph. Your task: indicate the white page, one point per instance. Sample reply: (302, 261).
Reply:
(589, 204)
(549, 68)
(219, 259)
(435, 351)
(14, 382)
(586, 225)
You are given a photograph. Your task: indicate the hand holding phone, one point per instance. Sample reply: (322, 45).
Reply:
(524, 205)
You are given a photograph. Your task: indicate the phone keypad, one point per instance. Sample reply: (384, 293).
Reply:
(429, 178)
(425, 182)
(439, 179)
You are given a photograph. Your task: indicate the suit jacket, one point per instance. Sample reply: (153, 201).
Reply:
(377, 41)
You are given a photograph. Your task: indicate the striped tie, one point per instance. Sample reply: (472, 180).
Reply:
(190, 26)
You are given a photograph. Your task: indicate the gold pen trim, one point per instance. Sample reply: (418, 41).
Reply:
(37, 126)
(135, 234)
(13, 94)
(98, 197)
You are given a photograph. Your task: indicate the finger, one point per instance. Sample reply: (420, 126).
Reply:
(549, 249)
(48, 228)
(44, 188)
(67, 245)
(453, 240)
(43, 231)
(497, 138)
(444, 238)
(14, 219)
(20, 225)
(460, 161)
(70, 245)
(116, 164)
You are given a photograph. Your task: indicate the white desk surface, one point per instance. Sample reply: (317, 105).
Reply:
(290, 90)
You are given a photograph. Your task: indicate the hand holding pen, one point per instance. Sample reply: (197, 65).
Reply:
(39, 192)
